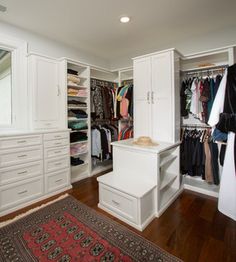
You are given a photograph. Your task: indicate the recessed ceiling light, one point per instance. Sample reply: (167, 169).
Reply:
(124, 19)
(3, 8)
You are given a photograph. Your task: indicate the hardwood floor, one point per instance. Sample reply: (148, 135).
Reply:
(191, 228)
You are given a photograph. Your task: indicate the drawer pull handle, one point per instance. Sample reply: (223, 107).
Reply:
(57, 152)
(58, 143)
(23, 172)
(115, 202)
(22, 156)
(58, 164)
(58, 136)
(48, 124)
(21, 141)
(59, 180)
(22, 192)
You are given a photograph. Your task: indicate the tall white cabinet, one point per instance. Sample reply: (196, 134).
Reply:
(156, 96)
(46, 97)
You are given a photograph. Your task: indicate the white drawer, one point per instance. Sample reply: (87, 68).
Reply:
(20, 141)
(17, 193)
(19, 172)
(57, 142)
(20, 155)
(55, 164)
(118, 202)
(58, 135)
(54, 152)
(57, 180)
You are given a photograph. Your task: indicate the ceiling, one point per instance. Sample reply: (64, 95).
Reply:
(93, 25)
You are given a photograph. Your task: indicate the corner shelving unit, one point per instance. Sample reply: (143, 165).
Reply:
(83, 170)
(168, 180)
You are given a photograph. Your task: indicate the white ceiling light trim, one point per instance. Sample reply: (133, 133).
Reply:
(124, 19)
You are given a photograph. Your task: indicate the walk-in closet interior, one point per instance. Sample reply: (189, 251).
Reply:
(143, 106)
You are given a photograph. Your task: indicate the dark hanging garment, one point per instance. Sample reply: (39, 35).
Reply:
(222, 154)
(72, 72)
(217, 84)
(214, 160)
(227, 120)
(183, 100)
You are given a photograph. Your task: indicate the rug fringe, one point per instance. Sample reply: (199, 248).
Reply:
(7, 222)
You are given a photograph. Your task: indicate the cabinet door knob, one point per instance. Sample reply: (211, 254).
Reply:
(152, 97)
(148, 97)
(58, 90)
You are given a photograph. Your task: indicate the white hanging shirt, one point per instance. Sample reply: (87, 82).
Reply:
(227, 193)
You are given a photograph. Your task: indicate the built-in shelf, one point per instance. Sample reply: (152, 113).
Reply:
(167, 178)
(77, 96)
(79, 142)
(166, 196)
(77, 119)
(167, 159)
(79, 154)
(201, 186)
(77, 107)
(81, 165)
(78, 130)
(76, 86)
(82, 95)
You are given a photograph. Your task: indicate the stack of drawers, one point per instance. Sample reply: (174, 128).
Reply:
(57, 161)
(32, 167)
(21, 170)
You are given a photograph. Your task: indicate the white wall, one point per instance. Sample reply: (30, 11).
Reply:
(42, 45)
(186, 46)
(5, 97)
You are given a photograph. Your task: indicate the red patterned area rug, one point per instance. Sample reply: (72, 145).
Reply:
(67, 230)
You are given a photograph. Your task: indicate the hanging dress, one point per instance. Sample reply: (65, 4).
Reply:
(227, 193)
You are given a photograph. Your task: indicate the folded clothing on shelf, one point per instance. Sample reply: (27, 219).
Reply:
(76, 161)
(70, 83)
(78, 125)
(77, 92)
(76, 103)
(73, 79)
(72, 72)
(77, 113)
(78, 149)
(78, 136)
(72, 92)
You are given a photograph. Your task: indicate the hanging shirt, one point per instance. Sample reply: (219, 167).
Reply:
(96, 142)
(227, 193)
(195, 98)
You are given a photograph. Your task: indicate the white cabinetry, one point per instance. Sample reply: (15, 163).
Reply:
(144, 182)
(46, 98)
(32, 167)
(156, 103)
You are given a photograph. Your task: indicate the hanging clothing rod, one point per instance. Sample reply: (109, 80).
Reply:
(196, 126)
(202, 70)
(103, 120)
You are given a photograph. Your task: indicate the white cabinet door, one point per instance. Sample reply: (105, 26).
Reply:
(162, 122)
(162, 75)
(45, 92)
(142, 119)
(161, 97)
(142, 92)
(142, 78)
